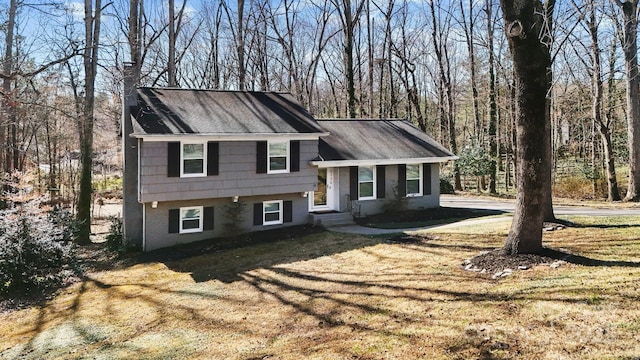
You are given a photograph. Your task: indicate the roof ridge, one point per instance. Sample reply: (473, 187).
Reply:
(361, 119)
(214, 90)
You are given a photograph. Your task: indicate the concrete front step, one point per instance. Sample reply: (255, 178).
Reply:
(331, 219)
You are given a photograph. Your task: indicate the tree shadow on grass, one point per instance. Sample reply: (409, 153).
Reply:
(578, 225)
(264, 250)
(586, 261)
(320, 294)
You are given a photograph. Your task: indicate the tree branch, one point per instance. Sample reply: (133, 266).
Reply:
(39, 70)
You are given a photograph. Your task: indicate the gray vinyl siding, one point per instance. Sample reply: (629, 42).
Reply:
(237, 174)
(157, 228)
(370, 207)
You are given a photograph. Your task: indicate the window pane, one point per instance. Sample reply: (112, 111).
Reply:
(190, 213)
(190, 224)
(413, 171)
(320, 194)
(366, 189)
(365, 174)
(278, 163)
(193, 166)
(278, 148)
(413, 186)
(272, 217)
(193, 151)
(271, 207)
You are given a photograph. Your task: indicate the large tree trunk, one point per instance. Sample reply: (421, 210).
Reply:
(529, 46)
(629, 12)
(90, 58)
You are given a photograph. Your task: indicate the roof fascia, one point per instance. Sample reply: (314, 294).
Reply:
(345, 163)
(228, 137)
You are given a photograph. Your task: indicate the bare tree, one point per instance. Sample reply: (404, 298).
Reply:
(603, 124)
(19, 72)
(92, 12)
(349, 16)
(10, 153)
(171, 66)
(493, 106)
(408, 69)
(238, 33)
(468, 26)
(439, 34)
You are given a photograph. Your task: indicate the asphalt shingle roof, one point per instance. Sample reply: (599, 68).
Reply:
(168, 111)
(367, 139)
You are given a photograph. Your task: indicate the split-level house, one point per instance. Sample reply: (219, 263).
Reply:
(190, 154)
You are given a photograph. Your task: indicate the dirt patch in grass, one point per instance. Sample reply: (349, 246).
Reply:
(496, 265)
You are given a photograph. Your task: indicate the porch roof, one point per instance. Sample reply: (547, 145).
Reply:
(367, 141)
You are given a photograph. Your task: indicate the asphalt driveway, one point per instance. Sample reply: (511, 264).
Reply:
(480, 203)
(509, 205)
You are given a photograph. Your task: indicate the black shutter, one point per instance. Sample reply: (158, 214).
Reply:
(353, 182)
(402, 180)
(257, 214)
(173, 159)
(295, 155)
(287, 211)
(426, 179)
(380, 181)
(207, 220)
(174, 221)
(261, 158)
(213, 155)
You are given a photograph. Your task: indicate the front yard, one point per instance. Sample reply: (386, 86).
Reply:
(336, 296)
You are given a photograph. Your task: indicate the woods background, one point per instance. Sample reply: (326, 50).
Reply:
(444, 65)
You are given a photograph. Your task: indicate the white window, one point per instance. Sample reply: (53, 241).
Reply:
(366, 182)
(277, 157)
(194, 158)
(414, 180)
(191, 219)
(272, 212)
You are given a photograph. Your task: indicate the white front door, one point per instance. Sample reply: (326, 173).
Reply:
(324, 198)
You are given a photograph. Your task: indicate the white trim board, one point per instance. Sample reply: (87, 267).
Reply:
(345, 163)
(228, 137)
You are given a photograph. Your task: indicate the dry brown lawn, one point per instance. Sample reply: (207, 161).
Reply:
(337, 296)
